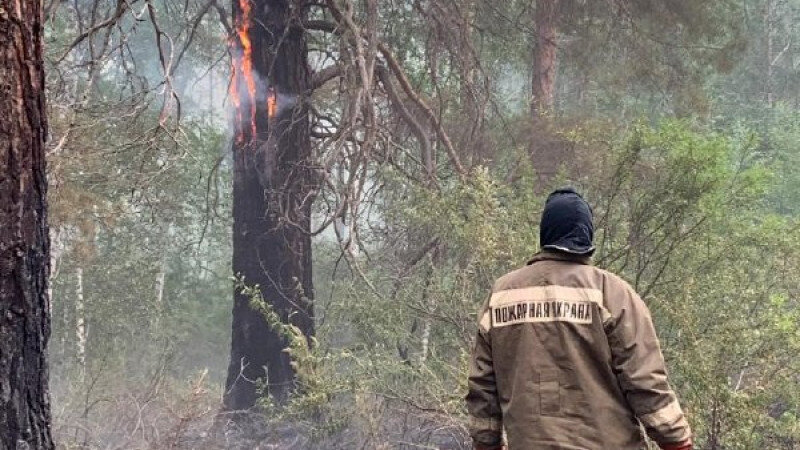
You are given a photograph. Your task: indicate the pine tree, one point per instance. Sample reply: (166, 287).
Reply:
(24, 241)
(272, 195)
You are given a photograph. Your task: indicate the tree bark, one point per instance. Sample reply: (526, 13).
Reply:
(544, 57)
(272, 193)
(545, 148)
(24, 240)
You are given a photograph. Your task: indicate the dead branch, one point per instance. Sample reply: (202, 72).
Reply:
(122, 7)
(320, 77)
(405, 114)
(399, 73)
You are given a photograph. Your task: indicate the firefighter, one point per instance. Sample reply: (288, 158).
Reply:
(566, 355)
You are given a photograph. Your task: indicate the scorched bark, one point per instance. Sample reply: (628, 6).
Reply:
(272, 195)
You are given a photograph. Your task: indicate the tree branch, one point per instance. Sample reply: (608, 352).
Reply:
(416, 128)
(409, 90)
(321, 25)
(322, 76)
(122, 6)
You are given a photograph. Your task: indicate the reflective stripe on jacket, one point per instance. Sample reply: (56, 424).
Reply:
(566, 357)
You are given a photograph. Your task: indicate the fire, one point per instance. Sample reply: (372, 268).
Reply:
(237, 102)
(272, 103)
(243, 67)
(243, 76)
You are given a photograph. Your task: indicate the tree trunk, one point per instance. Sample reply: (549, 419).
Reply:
(769, 53)
(544, 57)
(24, 240)
(57, 248)
(80, 321)
(272, 194)
(545, 153)
(161, 279)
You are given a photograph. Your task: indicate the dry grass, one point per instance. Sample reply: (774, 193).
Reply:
(110, 413)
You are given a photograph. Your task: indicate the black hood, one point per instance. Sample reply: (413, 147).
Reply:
(567, 223)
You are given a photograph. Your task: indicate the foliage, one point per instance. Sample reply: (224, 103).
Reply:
(677, 218)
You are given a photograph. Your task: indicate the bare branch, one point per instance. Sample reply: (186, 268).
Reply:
(416, 128)
(195, 22)
(321, 25)
(122, 6)
(320, 77)
(223, 18)
(399, 73)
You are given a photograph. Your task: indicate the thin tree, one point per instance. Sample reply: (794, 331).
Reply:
(24, 241)
(272, 194)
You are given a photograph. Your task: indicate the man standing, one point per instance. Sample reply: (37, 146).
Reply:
(566, 355)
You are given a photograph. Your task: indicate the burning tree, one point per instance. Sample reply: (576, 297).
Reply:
(273, 189)
(274, 181)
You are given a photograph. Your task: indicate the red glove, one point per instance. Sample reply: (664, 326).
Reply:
(685, 445)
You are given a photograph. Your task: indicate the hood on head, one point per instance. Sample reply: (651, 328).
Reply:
(566, 224)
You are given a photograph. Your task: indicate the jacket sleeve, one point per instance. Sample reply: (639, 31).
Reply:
(640, 368)
(483, 406)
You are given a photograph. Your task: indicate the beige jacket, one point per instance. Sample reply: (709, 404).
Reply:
(566, 357)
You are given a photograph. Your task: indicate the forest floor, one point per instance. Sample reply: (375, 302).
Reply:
(163, 414)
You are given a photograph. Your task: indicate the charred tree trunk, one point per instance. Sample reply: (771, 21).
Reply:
(545, 153)
(272, 195)
(24, 240)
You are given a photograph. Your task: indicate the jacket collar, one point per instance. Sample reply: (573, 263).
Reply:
(550, 255)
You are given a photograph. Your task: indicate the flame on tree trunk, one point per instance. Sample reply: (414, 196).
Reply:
(272, 194)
